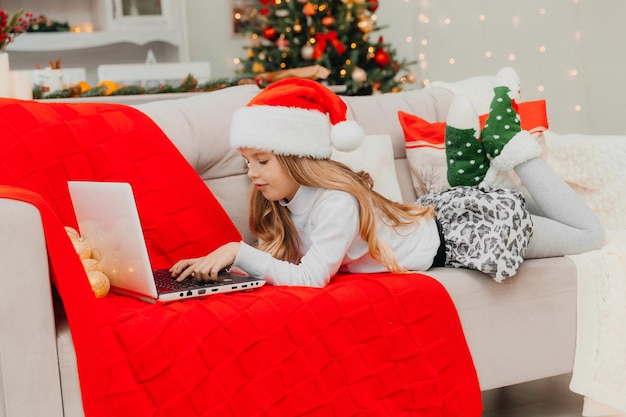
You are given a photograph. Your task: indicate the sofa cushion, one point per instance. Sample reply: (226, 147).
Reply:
(199, 126)
(425, 151)
(374, 156)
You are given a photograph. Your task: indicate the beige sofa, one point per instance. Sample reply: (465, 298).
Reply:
(520, 330)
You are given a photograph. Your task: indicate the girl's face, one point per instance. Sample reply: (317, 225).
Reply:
(268, 175)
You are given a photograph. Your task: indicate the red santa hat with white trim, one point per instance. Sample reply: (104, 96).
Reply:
(295, 117)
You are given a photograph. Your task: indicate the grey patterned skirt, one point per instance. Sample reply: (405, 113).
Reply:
(484, 229)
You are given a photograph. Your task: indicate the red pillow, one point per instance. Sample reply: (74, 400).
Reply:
(417, 130)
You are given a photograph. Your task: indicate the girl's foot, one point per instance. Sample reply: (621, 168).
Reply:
(466, 159)
(503, 139)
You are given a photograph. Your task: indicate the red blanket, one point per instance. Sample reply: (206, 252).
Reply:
(376, 345)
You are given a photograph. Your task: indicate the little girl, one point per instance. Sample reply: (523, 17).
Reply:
(315, 217)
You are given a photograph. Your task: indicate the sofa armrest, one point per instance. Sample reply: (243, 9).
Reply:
(29, 374)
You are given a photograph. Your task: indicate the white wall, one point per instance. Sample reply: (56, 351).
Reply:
(582, 64)
(567, 52)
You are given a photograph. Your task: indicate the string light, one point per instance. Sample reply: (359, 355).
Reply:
(491, 33)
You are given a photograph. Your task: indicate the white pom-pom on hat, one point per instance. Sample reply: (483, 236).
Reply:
(296, 117)
(346, 136)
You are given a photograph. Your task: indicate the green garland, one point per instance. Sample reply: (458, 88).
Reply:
(189, 84)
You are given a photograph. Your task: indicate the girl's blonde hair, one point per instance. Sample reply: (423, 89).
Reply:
(271, 223)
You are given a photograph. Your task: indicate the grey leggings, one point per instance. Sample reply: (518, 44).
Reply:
(562, 223)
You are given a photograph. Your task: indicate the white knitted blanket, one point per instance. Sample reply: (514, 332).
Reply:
(595, 166)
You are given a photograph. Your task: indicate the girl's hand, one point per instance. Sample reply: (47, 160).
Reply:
(207, 267)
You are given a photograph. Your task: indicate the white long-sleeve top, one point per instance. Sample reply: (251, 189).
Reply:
(327, 222)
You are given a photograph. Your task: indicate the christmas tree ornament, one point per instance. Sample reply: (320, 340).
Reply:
(99, 282)
(307, 52)
(258, 68)
(309, 9)
(359, 75)
(82, 247)
(281, 13)
(381, 57)
(255, 41)
(297, 27)
(264, 10)
(365, 24)
(372, 5)
(270, 33)
(91, 264)
(328, 21)
(411, 77)
(71, 232)
(282, 43)
(323, 39)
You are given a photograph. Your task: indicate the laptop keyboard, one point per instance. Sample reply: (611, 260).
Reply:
(164, 281)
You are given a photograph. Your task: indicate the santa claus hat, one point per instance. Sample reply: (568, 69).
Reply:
(295, 117)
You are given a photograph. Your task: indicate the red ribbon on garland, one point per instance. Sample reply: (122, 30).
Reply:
(321, 41)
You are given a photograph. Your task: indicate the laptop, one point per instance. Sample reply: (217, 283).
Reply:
(108, 219)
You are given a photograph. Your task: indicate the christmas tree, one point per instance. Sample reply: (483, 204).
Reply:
(287, 34)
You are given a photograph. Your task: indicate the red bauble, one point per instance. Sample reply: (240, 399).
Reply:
(381, 57)
(328, 21)
(373, 5)
(309, 9)
(264, 2)
(270, 33)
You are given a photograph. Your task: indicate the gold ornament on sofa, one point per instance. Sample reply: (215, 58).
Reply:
(90, 258)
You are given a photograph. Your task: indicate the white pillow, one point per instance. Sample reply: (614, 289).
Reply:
(374, 156)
